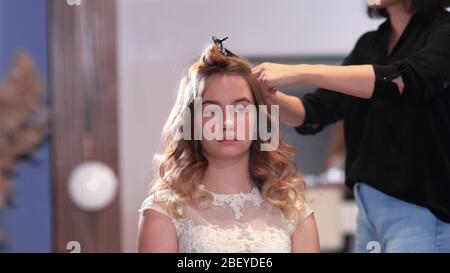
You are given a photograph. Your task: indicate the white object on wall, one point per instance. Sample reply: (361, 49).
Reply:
(92, 186)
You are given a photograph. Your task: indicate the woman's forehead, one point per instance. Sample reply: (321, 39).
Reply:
(225, 88)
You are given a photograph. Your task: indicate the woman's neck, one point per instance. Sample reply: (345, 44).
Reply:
(229, 175)
(400, 16)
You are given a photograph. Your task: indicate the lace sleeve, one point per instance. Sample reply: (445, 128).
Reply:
(151, 203)
(305, 212)
(302, 215)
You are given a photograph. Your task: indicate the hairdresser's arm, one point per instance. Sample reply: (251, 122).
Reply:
(354, 80)
(292, 111)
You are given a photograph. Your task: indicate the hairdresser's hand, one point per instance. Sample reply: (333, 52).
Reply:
(275, 76)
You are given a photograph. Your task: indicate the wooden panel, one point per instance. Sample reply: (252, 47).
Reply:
(84, 100)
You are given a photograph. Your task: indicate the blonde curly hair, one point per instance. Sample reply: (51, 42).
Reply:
(182, 165)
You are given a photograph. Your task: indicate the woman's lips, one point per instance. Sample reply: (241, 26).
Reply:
(228, 140)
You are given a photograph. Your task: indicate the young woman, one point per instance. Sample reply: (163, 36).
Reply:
(393, 95)
(224, 195)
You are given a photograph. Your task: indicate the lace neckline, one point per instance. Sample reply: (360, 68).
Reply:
(235, 200)
(254, 191)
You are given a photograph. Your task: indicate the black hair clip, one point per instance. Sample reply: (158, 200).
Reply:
(223, 50)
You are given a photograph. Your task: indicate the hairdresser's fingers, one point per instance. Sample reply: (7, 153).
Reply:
(257, 70)
(262, 79)
(267, 89)
(266, 79)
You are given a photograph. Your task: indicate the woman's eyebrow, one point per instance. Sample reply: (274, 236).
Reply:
(210, 102)
(244, 99)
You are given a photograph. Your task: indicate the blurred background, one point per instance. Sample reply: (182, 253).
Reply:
(86, 86)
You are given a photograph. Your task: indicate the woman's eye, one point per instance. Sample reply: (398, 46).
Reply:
(209, 113)
(210, 110)
(240, 108)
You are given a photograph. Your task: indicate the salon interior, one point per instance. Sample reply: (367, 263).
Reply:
(87, 85)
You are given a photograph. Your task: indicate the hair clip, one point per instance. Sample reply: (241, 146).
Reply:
(223, 50)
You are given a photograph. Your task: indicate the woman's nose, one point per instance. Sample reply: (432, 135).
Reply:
(228, 124)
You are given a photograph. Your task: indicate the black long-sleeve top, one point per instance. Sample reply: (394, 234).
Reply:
(397, 143)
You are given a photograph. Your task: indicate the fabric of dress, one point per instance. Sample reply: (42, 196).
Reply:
(241, 222)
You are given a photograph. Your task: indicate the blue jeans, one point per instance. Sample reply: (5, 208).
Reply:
(387, 224)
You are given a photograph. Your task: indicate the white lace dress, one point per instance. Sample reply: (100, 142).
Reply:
(241, 222)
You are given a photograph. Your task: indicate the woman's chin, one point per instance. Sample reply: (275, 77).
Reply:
(231, 148)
